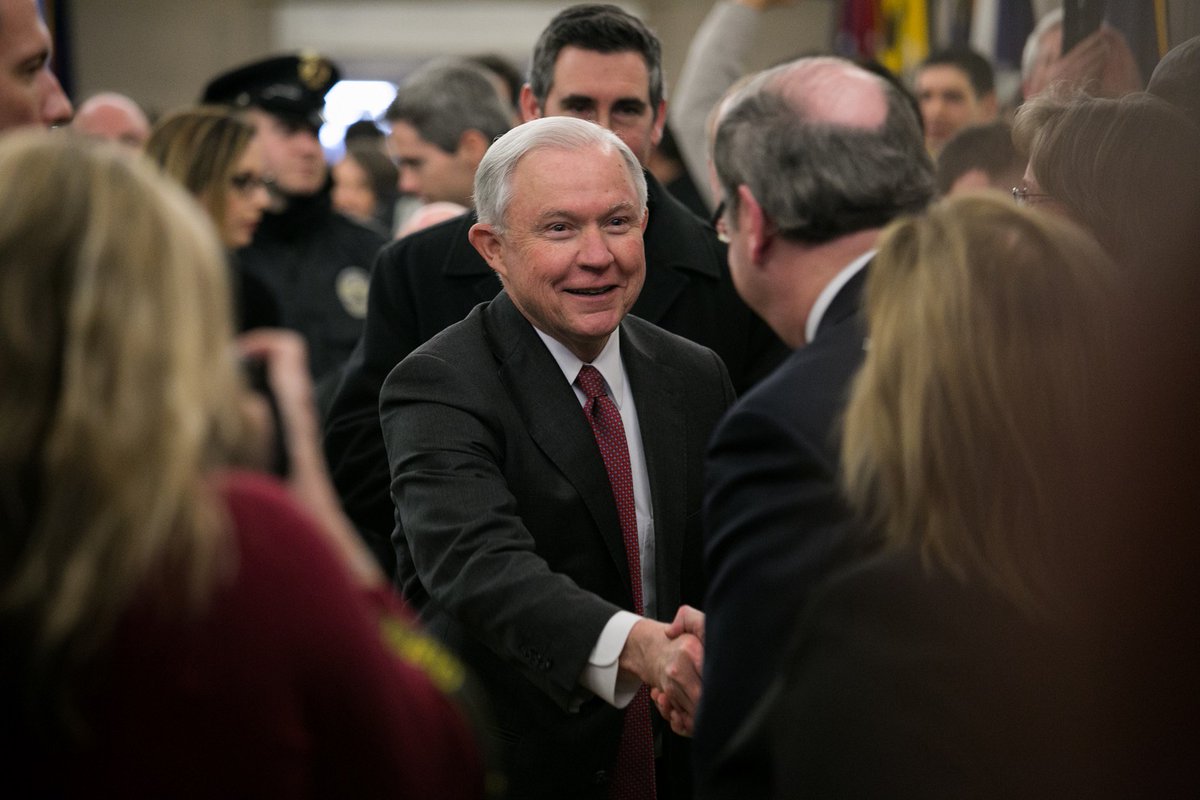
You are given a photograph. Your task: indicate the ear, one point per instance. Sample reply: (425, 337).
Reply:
(645, 218)
(753, 222)
(529, 105)
(487, 241)
(660, 121)
(471, 146)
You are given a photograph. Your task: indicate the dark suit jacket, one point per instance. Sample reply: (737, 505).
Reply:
(431, 279)
(773, 516)
(508, 539)
(907, 682)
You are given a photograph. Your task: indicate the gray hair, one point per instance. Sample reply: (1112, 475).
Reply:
(445, 99)
(1033, 44)
(816, 180)
(493, 179)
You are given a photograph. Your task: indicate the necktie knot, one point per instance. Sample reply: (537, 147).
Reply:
(591, 381)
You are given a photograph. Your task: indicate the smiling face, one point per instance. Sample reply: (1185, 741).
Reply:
(30, 94)
(610, 89)
(570, 255)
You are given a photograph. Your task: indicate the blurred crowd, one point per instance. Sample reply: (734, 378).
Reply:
(819, 432)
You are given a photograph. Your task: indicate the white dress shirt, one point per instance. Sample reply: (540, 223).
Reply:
(601, 674)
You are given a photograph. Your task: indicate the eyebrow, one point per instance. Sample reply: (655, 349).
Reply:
(559, 213)
(589, 100)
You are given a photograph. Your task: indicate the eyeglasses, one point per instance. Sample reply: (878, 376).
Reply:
(247, 182)
(1024, 197)
(718, 222)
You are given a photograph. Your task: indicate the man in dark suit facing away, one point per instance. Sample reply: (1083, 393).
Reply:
(595, 62)
(813, 158)
(546, 471)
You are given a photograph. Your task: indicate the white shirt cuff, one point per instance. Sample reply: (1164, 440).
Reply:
(601, 676)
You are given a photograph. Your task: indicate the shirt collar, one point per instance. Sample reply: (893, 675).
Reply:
(608, 363)
(825, 298)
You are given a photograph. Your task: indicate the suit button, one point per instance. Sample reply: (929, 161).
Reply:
(600, 778)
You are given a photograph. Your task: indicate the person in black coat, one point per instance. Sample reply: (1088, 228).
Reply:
(313, 260)
(814, 157)
(432, 279)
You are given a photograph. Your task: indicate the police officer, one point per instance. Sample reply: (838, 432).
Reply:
(314, 260)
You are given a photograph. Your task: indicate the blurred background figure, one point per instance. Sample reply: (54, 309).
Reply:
(429, 215)
(217, 157)
(979, 157)
(365, 186)
(1126, 169)
(666, 164)
(443, 120)
(959, 660)
(955, 88)
(315, 261)
(1176, 79)
(110, 115)
(1102, 64)
(30, 93)
(507, 79)
(173, 625)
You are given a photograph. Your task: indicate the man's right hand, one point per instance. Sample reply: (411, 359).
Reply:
(671, 667)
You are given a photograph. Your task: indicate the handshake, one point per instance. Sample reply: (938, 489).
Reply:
(670, 660)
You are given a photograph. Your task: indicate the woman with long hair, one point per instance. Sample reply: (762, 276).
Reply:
(214, 154)
(173, 625)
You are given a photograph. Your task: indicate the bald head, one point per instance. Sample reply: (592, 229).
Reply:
(826, 148)
(831, 91)
(113, 116)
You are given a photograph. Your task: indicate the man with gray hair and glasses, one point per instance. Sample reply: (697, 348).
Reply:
(813, 158)
(547, 501)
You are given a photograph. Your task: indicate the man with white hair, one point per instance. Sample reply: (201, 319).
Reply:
(547, 507)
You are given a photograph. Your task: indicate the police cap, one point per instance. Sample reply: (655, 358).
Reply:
(291, 86)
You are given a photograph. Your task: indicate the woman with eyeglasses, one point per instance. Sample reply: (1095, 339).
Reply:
(214, 154)
(1126, 169)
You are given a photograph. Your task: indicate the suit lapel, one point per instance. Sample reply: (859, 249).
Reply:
(553, 416)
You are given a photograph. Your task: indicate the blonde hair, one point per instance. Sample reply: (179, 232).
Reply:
(200, 147)
(118, 395)
(967, 427)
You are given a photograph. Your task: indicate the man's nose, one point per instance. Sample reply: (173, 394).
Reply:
(56, 108)
(593, 248)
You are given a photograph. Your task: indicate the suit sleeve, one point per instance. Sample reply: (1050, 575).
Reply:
(462, 526)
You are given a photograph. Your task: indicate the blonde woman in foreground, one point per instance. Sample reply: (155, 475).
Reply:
(961, 659)
(172, 625)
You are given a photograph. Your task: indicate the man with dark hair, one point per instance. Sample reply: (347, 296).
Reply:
(598, 63)
(813, 158)
(980, 157)
(443, 120)
(955, 88)
(313, 260)
(30, 93)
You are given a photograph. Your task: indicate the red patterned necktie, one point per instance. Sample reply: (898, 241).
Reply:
(633, 778)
